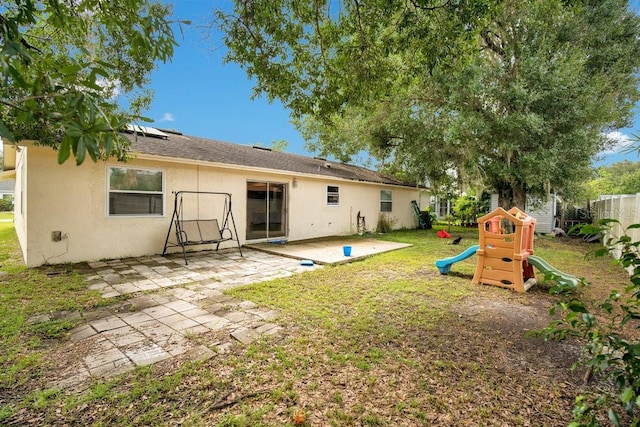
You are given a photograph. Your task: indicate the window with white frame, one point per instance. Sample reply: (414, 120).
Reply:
(133, 191)
(333, 195)
(385, 201)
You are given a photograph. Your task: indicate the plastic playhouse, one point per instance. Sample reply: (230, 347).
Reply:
(502, 255)
(505, 252)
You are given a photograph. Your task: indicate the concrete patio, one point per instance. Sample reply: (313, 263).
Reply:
(329, 250)
(170, 303)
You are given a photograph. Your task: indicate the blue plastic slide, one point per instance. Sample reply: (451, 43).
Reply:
(561, 278)
(444, 265)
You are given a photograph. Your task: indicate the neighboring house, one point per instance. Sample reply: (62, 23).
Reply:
(424, 198)
(68, 213)
(7, 189)
(436, 204)
(442, 207)
(544, 213)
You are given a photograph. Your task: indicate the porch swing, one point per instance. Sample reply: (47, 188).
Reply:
(197, 231)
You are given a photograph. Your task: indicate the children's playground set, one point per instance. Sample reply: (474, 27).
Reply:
(505, 252)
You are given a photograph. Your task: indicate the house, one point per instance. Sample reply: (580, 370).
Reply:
(6, 189)
(543, 212)
(68, 213)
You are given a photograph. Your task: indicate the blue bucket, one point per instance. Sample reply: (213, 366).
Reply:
(346, 250)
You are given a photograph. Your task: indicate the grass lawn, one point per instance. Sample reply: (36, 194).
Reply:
(382, 342)
(6, 215)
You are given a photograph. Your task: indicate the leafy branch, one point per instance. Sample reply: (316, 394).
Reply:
(55, 58)
(610, 332)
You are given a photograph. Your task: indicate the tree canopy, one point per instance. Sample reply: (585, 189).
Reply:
(617, 178)
(515, 95)
(64, 63)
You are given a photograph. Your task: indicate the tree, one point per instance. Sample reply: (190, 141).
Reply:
(617, 178)
(64, 63)
(515, 95)
(279, 145)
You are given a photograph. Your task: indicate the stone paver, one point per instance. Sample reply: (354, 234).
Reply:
(245, 335)
(147, 355)
(171, 304)
(217, 324)
(107, 324)
(82, 332)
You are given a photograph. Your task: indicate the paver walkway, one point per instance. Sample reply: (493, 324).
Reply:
(170, 304)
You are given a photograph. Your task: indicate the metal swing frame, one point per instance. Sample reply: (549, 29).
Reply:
(192, 232)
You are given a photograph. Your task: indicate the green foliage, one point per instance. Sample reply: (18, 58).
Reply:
(608, 350)
(6, 205)
(513, 95)
(316, 58)
(618, 178)
(467, 208)
(52, 329)
(63, 65)
(279, 145)
(429, 218)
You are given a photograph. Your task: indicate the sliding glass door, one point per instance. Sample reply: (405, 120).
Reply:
(266, 210)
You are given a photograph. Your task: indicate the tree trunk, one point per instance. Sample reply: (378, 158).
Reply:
(510, 196)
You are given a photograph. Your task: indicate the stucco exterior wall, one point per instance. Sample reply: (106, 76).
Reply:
(311, 217)
(73, 200)
(20, 200)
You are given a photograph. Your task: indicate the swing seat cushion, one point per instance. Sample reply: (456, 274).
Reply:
(199, 232)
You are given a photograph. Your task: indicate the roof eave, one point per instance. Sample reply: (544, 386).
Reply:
(231, 166)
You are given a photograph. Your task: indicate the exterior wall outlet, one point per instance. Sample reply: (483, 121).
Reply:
(56, 236)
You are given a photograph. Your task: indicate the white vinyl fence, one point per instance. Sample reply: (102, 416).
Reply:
(624, 208)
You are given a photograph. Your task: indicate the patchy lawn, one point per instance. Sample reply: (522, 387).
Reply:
(385, 341)
(6, 216)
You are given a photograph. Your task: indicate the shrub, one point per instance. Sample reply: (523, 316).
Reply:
(6, 205)
(467, 208)
(385, 223)
(607, 352)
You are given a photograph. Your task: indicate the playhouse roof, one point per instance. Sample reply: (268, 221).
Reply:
(514, 215)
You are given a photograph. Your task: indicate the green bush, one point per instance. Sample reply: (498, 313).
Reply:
(466, 209)
(607, 352)
(6, 205)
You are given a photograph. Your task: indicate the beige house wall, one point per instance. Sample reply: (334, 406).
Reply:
(20, 197)
(72, 200)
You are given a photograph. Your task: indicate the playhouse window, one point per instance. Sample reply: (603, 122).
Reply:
(333, 195)
(385, 201)
(135, 192)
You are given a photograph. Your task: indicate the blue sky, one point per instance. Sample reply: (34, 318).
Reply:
(199, 95)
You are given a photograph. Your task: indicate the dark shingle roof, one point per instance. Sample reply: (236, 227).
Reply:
(207, 150)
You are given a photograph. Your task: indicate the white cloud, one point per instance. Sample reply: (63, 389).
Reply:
(167, 117)
(112, 87)
(618, 141)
